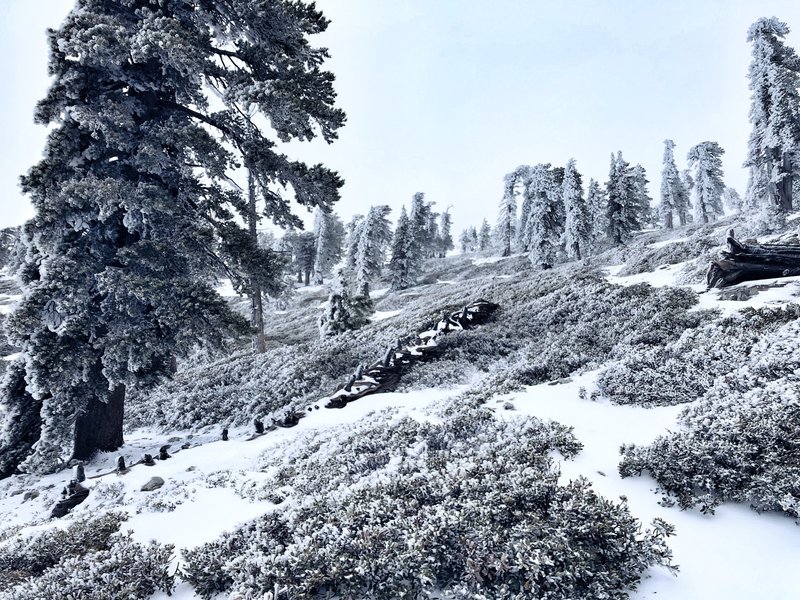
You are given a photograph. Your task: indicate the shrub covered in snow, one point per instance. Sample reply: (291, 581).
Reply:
(467, 508)
(88, 559)
(741, 440)
(683, 370)
(549, 325)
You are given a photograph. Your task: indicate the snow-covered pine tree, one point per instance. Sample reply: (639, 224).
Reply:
(577, 229)
(705, 159)
(544, 226)
(374, 235)
(124, 241)
(623, 208)
(773, 147)
(445, 234)
(484, 236)
(352, 235)
(342, 312)
(506, 230)
(731, 200)
(597, 208)
(328, 237)
(642, 198)
(524, 177)
(402, 268)
(420, 218)
(673, 195)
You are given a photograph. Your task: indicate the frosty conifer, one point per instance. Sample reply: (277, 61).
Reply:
(596, 206)
(775, 115)
(624, 209)
(328, 237)
(374, 235)
(403, 265)
(445, 243)
(506, 230)
(577, 229)
(705, 160)
(674, 197)
(127, 237)
(484, 236)
(544, 224)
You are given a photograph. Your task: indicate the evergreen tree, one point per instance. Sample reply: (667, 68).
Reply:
(642, 199)
(774, 143)
(445, 235)
(623, 211)
(732, 200)
(403, 265)
(421, 218)
(135, 210)
(375, 233)
(597, 208)
(525, 177)
(342, 312)
(328, 238)
(506, 229)
(577, 229)
(544, 225)
(352, 237)
(674, 197)
(706, 160)
(484, 236)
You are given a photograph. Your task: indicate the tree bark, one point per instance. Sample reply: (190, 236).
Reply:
(785, 187)
(99, 427)
(256, 301)
(668, 220)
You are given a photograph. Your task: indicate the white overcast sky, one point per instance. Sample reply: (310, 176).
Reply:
(446, 96)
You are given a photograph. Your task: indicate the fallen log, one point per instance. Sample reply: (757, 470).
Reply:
(384, 375)
(749, 262)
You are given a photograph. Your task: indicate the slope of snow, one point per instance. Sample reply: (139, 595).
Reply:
(734, 554)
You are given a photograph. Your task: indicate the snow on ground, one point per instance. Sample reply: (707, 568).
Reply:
(8, 302)
(662, 276)
(663, 243)
(380, 315)
(734, 554)
(765, 292)
(489, 260)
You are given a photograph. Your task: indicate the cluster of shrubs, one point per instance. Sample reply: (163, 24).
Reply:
(87, 559)
(549, 325)
(741, 440)
(462, 506)
(683, 370)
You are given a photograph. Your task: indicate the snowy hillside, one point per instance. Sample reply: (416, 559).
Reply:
(494, 468)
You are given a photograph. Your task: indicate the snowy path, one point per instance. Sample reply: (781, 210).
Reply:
(734, 554)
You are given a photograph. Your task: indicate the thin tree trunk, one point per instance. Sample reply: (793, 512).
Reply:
(173, 365)
(308, 277)
(256, 303)
(99, 427)
(785, 188)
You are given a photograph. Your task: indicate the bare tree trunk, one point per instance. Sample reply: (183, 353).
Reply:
(785, 187)
(99, 427)
(668, 220)
(256, 303)
(173, 365)
(308, 277)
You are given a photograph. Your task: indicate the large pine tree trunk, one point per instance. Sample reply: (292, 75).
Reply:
(668, 220)
(99, 427)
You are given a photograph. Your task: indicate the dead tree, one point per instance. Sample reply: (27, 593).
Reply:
(748, 262)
